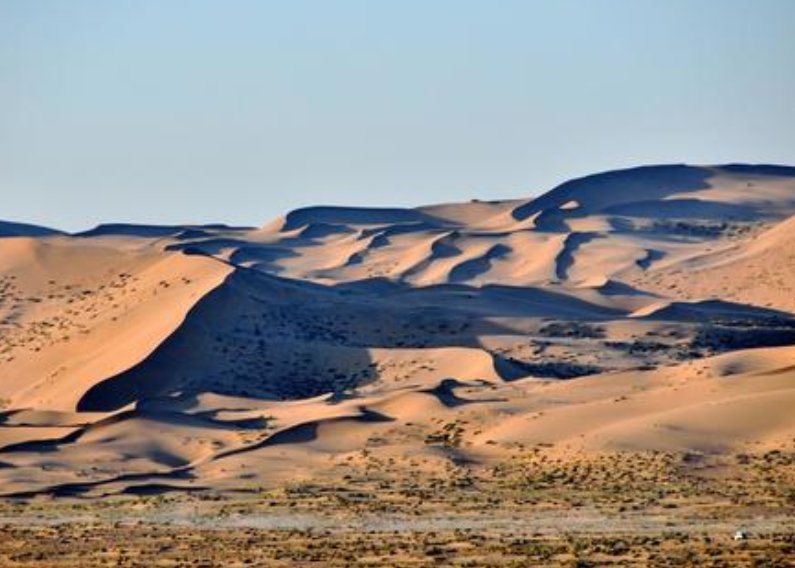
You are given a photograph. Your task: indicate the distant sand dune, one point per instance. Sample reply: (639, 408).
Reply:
(643, 309)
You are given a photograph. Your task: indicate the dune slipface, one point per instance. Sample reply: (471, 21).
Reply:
(642, 310)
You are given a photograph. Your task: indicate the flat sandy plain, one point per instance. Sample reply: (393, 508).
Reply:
(602, 375)
(623, 509)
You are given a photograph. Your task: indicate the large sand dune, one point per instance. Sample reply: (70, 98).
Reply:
(643, 309)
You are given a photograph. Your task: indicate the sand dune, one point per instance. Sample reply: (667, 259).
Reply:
(758, 271)
(643, 309)
(9, 229)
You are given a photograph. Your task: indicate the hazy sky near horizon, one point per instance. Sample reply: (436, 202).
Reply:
(236, 111)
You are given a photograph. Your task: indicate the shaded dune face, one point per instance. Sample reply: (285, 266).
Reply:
(8, 229)
(240, 339)
(668, 288)
(613, 189)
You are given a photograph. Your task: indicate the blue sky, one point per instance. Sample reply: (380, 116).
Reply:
(236, 111)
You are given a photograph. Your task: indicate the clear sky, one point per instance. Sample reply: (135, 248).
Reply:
(236, 111)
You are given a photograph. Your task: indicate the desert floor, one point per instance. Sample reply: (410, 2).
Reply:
(533, 509)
